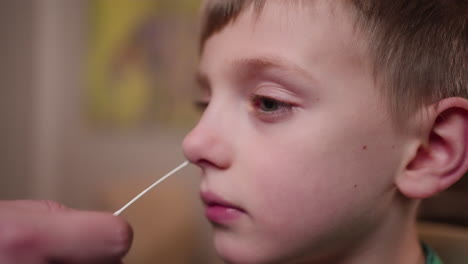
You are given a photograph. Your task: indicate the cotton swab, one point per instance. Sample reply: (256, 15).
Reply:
(151, 187)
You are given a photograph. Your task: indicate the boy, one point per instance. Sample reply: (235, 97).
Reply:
(326, 123)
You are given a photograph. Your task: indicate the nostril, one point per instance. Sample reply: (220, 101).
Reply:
(204, 163)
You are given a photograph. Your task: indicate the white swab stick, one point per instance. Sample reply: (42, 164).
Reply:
(151, 187)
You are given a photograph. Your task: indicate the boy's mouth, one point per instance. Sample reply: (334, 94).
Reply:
(220, 211)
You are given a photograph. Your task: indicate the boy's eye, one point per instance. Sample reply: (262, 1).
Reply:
(269, 109)
(268, 104)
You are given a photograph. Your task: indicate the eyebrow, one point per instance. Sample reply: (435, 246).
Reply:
(246, 67)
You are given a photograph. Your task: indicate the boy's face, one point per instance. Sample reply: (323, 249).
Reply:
(296, 138)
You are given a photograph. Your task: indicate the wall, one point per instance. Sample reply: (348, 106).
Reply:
(16, 99)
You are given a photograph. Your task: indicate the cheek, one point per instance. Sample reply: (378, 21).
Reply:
(299, 204)
(298, 189)
(312, 184)
(315, 163)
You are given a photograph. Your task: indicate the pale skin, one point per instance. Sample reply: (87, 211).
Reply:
(297, 134)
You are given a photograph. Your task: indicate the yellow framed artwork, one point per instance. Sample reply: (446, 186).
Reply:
(142, 56)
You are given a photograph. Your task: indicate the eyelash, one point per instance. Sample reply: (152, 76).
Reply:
(257, 101)
(281, 108)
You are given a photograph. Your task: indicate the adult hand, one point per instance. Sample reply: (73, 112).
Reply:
(44, 232)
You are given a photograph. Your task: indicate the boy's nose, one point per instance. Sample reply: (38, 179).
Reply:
(207, 145)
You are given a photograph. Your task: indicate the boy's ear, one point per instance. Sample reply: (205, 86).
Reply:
(441, 155)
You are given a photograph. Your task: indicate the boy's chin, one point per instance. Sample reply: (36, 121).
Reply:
(233, 248)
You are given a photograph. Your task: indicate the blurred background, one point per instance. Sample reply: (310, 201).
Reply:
(95, 101)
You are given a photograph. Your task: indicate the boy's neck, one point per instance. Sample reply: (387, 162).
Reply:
(395, 241)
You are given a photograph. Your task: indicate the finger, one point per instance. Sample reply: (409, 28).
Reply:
(33, 205)
(86, 237)
(64, 237)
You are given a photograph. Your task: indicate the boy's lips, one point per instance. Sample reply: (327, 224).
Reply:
(220, 211)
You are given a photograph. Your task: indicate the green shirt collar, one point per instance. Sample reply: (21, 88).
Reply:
(431, 256)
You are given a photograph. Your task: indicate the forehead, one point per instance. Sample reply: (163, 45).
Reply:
(304, 32)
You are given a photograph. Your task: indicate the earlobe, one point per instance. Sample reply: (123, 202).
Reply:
(441, 158)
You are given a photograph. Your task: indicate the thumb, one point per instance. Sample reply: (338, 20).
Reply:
(50, 231)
